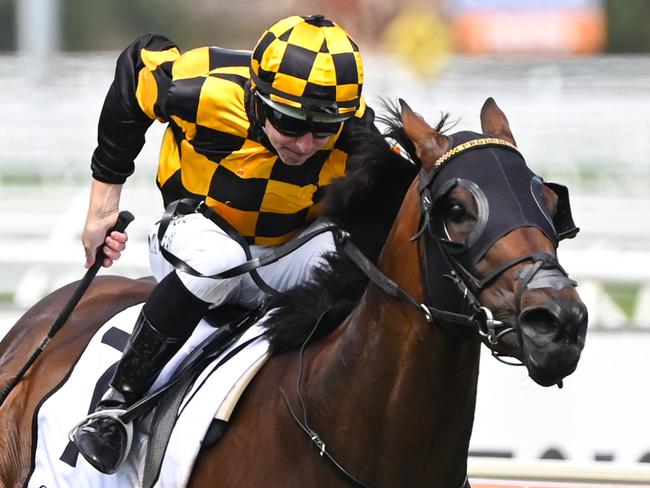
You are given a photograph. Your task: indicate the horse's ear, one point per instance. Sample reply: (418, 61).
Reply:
(494, 121)
(429, 143)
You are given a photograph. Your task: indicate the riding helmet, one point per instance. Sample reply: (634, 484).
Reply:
(310, 64)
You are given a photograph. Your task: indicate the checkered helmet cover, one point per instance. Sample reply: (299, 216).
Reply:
(309, 63)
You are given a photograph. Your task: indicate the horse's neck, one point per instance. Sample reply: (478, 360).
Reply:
(405, 386)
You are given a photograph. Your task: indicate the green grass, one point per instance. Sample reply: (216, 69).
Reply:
(624, 295)
(21, 179)
(6, 298)
(33, 178)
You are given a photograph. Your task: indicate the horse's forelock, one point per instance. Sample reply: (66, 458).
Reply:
(395, 129)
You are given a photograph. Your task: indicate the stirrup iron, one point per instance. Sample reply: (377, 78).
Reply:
(115, 414)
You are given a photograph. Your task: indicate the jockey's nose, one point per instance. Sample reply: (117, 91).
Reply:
(305, 143)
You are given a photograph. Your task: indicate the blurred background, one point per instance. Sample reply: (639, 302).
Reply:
(573, 77)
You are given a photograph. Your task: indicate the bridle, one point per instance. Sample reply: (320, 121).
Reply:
(473, 317)
(490, 330)
(478, 318)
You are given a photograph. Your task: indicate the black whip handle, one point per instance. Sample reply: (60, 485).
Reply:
(123, 220)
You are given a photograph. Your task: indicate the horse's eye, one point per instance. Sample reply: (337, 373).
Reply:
(454, 218)
(456, 212)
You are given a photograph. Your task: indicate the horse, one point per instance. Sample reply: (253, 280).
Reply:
(374, 374)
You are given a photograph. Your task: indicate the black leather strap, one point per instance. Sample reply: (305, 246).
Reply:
(393, 289)
(176, 390)
(376, 276)
(188, 205)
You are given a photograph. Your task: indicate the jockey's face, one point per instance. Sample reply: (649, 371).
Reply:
(294, 150)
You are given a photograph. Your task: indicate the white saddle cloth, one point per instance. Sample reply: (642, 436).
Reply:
(70, 404)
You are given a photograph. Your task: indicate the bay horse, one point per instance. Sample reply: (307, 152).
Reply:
(370, 385)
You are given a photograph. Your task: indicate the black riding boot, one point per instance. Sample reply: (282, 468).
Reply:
(102, 438)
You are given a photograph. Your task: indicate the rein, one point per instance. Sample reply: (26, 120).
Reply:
(188, 205)
(480, 320)
(481, 317)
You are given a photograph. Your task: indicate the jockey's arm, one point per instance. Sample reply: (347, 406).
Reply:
(134, 100)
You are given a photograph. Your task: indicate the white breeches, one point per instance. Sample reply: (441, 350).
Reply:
(208, 249)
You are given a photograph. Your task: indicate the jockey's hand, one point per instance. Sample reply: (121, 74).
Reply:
(102, 216)
(113, 244)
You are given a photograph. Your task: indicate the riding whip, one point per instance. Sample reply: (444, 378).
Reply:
(123, 220)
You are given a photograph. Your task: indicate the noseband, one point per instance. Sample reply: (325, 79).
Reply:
(544, 268)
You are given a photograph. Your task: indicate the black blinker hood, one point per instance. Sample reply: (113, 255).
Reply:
(508, 195)
(504, 188)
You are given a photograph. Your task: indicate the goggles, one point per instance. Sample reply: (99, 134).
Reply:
(294, 122)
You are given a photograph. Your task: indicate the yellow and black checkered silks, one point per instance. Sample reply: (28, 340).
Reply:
(209, 149)
(309, 63)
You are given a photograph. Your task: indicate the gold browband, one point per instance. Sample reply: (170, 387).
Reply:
(487, 141)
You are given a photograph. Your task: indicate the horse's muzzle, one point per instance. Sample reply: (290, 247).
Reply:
(552, 336)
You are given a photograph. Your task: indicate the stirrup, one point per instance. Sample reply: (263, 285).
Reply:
(116, 414)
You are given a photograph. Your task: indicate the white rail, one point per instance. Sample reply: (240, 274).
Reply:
(550, 470)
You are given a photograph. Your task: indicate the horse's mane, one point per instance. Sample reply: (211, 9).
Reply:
(364, 203)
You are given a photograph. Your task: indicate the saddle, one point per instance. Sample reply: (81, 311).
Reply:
(229, 322)
(158, 411)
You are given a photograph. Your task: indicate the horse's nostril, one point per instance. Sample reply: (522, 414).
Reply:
(539, 322)
(577, 323)
(544, 324)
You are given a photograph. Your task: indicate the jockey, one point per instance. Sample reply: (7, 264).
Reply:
(257, 137)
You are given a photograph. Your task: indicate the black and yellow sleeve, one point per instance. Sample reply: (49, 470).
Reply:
(135, 98)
